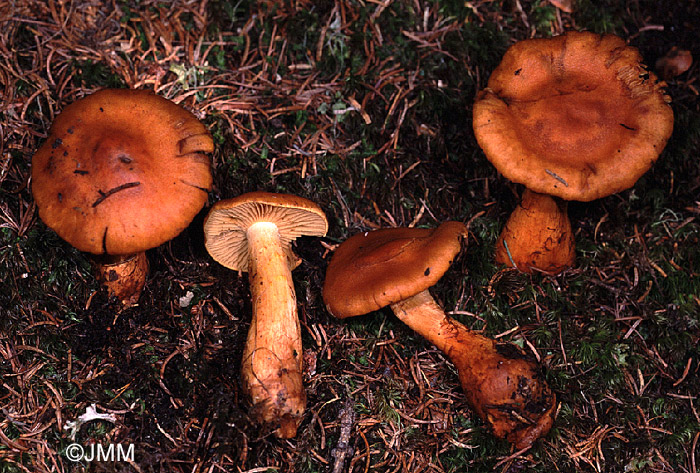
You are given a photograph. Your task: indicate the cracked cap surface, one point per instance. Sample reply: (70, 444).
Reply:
(576, 116)
(122, 171)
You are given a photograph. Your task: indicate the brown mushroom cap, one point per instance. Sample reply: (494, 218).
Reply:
(371, 270)
(576, 116)
(674, 63)
(122, 171)
(228, 220)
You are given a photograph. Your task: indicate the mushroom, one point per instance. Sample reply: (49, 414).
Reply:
(674, 63)
(253, 232)
(122, 171)
(395, 267)
(574, 117)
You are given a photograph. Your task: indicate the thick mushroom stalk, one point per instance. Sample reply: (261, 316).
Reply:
(253, 232)
(502, 385)
(123, 276)
(537, 235)
(272, 358)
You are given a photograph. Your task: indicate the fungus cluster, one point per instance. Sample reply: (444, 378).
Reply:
(575, 117)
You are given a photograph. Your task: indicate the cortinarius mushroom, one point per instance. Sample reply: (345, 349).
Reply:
(253, 232)
(122, 171)
(396, 267)
(674, 63)
(577, 117)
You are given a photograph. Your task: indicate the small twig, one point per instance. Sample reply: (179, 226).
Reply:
(343, 448)
(557, 177)
(418, 216)
(505, 244)
(561, 344)
(512, 457)
(474, 217)
(692, 452)
(403, 174)
(104, 195)
(685, 372)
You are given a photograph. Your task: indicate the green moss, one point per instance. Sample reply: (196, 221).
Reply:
(92, 74)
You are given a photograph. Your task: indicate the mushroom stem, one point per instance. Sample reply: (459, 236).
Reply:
(503, 386)
(537, 235)
(123, 276)
(272, 358)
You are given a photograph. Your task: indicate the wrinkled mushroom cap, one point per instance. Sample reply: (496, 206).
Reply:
(122, 171)
(576, 116)
(374, 269)
(228, 220)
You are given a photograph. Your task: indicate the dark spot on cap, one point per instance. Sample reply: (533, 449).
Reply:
(427, 272)
(102, 109)
(517, 71)
(60, 197)
(81, 172)
(50, 165)
(65, 153)
(70, 130)
(124, 159)
(57, 142)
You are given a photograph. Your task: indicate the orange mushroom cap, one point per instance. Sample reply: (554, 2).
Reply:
(374, 269)
(575, 116)
(122, 171)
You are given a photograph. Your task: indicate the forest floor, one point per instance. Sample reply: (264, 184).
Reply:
(365, 108)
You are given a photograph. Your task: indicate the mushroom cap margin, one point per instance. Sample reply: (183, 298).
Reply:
(575, 116)
(226, 224)
(371, 270)
(122, 171)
